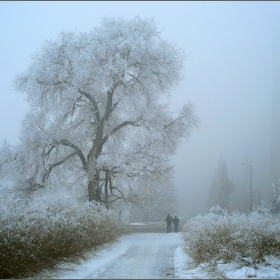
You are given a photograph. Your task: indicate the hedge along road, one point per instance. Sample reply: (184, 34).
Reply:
(148, 255)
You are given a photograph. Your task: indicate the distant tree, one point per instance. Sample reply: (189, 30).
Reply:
(275, 197)
(98, 116)
(162, 201)
(221, 187)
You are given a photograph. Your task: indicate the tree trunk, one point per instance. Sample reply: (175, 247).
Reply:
(93, 190)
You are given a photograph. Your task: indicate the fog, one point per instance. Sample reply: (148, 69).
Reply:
(231, 75)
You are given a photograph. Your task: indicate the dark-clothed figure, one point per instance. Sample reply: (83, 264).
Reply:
(176, 222)
(169, 220)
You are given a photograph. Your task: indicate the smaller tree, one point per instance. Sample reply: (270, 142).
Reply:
(221, 187)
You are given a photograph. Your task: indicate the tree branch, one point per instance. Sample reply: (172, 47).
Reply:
(118, 127)
(49, 170)
(78, 151)
(96, 150)
(93, 102)
(109, 103)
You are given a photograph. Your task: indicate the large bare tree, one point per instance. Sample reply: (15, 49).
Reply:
(97, 111)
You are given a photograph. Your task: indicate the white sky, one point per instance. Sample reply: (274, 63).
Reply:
(231, 51)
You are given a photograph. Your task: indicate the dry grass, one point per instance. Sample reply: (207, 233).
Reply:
(33, 245)
(220, 236)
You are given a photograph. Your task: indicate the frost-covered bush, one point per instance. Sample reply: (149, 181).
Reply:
(37, 235)
(221, 236)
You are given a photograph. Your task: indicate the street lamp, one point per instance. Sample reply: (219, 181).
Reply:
(251, 192)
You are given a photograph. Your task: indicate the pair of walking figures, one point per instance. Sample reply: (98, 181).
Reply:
(170, 220)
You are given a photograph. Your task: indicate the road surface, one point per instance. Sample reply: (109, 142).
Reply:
(159, 227)
(145, 251)
(148, 255)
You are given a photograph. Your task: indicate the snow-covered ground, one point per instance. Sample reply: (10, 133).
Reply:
(156, 256)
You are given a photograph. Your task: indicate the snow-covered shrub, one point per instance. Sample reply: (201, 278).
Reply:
(221, 236)
(37, 235)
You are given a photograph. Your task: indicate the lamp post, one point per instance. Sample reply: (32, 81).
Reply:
(251, 192)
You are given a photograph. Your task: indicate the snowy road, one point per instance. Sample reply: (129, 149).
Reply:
(139, 255)
(148, 256)
(156, 256)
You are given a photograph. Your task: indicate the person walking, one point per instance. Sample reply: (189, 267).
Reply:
(176, 222)
(169, 220)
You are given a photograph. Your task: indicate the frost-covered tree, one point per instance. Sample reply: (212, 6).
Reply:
(221, 187)
(98, 115)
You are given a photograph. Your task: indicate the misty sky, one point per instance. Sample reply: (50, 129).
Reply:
(230, 48)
